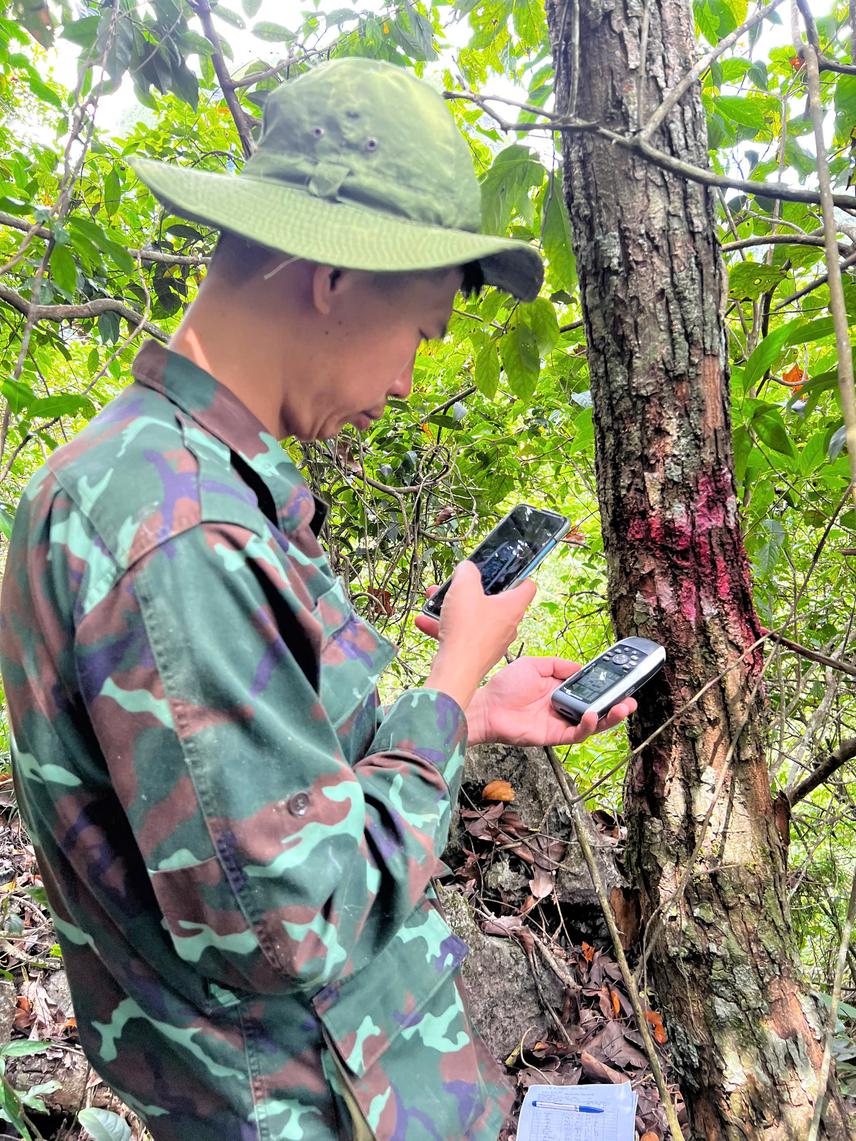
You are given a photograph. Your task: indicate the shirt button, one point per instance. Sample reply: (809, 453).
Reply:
(298, 805)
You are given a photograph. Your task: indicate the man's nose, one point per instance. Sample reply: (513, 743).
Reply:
(403, 382)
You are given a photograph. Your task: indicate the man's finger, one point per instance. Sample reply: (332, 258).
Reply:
(429, 626)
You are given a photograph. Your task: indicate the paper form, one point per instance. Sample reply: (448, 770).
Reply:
(542, 1122)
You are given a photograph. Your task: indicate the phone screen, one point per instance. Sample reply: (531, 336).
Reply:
(509, 549)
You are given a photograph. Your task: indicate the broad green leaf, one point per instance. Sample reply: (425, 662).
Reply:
(556, 236)
(413, 32)
(103, 1125)
(7, 520)
(108, 327)
(845, 98)
(112, 192)
(100, 238)
(505, 188)
(64, 269)
(251, 7)
(18, 394)
(520, 359)
(529, 22)
(770, 428)
(233, 18)
(22, 1048)
(794, 333)
(751, 279)
(758, 74)
(743, 110)
(63, 404)
(42, 91)
(540, 315)
(273, 33)
(82, 32)
(486, 370)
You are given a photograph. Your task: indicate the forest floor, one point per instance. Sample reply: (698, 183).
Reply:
(590, 1036)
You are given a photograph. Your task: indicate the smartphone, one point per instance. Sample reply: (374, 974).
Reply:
(609, 678)
(511, 551)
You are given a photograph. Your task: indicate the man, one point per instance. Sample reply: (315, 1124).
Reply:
(236, 841)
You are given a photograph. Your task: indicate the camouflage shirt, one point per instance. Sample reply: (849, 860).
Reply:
(236, 841)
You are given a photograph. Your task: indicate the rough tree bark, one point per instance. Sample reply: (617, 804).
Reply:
(745, 1034)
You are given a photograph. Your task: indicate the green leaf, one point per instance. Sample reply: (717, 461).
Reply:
(758, 74)
(794, 333)
(273, 33)
(529, 22)
(104, 1125)
(64, 269)
(63, 404)
(7, 520)
(743, 110)
(770, 428)
(540, 315)
(751, 279)
(505, 188)
(22, 1048)
(556, 236)
(845, 98)
(414, 34)
(41, 90)
(486, 370)
(108, 327)
(82, 32)
(520, 359)
(251, 7)
(233, 18)
(112, 192)
(18, 395)
(100, 238)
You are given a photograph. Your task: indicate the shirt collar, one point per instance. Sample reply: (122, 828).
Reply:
(219, 411)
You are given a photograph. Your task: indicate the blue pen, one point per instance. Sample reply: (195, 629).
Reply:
(567, 1106)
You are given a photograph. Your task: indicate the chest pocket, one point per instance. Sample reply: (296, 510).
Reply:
(353, 656)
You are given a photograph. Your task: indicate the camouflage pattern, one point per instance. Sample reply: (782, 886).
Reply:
(236, 841)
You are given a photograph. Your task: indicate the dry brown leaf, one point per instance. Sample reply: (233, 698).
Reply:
(588, 952)
(498, 790)
(656, 1021)
(595, 1069)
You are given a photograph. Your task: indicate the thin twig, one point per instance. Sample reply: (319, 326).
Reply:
(813, 655)
(580, 824)
(637, 145)
(845, 752)
(147, 255)
(703, 64)
(202, 8)
(838, 308)
(832, 1020)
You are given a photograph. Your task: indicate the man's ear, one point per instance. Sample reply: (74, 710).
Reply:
(327, 283)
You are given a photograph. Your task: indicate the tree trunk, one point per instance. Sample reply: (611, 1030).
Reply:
(704, 850)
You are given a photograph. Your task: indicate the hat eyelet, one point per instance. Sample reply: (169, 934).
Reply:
(317, 132)
(371, 144)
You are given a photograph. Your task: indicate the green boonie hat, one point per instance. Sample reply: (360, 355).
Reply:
(359, 166)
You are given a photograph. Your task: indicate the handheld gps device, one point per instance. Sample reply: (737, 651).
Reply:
(609, 678)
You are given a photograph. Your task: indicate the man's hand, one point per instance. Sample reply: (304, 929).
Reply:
(514, 707)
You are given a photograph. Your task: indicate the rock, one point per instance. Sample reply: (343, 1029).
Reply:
(503, 999)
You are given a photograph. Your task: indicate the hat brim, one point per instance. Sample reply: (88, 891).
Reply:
(336, 233)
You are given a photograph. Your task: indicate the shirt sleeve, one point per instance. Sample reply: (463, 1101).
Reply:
(275, 862)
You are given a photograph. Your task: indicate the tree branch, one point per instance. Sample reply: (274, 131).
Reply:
(703, 64)
(146, 255)
(81, 312)
(242, 121)
(812, 655)
(845, 752)
(779, 240)
(816, 283)
(637, 145)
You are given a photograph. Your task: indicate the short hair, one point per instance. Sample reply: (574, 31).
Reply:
(240, 259)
